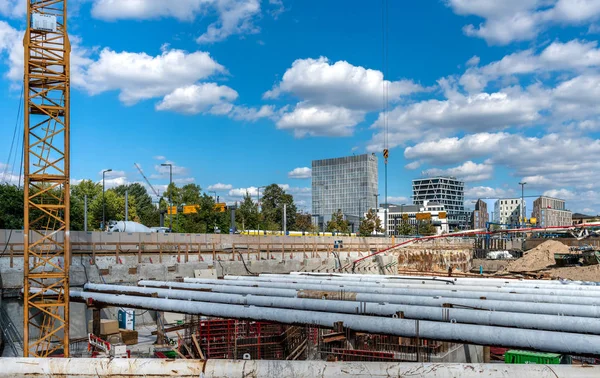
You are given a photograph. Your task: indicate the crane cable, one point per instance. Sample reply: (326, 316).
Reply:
(12, 144)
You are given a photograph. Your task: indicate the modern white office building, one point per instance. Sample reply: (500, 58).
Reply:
(347, 183)
(448, 192)
(507, 211)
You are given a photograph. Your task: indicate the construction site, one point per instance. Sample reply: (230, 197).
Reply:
(510, 302)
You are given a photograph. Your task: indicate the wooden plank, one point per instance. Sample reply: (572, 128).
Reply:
(329, 338)
(172, 329)
(178, 352)
(195, 340)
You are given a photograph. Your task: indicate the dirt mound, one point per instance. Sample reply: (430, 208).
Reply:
(578, 273)
(538, 258)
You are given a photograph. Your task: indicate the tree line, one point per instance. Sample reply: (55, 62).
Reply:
(207, 219)
(141, 208)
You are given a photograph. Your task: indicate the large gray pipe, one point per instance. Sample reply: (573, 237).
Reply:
(506, 319)
(493, 305)
(441, 280)
(470, 280)
(180, 368)
(383, 289)
(559, 342)
(421, 285)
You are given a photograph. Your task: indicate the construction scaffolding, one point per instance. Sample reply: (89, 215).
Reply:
(244, 339)
(251, 340)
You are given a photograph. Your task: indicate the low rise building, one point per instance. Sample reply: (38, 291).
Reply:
(480, 216)
(414, 215)
(550, 212)
(579, 218)
(507, 211)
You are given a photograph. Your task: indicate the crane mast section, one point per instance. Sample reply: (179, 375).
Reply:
(46, 179)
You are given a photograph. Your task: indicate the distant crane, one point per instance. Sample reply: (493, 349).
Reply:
(162, 212)
(147, 181)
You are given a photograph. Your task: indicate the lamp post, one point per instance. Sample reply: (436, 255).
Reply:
(212, 191)
(522, 202)
(170, 193)
(258, 205)
(103, 199)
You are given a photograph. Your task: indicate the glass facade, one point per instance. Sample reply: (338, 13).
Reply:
(447, 191)
(348, 183)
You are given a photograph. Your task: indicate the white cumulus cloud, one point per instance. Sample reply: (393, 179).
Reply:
(199, 98)
(233, 17)
(468, 171)
(320, 120)
(218, 187)
(521, 20)
(139, 76)
(300, 173)
(340, 84)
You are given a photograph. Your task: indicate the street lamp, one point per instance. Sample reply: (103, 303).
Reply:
(212, 191)
(170, 193)
(522, 202)
(103, 199)
(257, 205)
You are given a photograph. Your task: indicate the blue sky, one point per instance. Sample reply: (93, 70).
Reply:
(243, 93)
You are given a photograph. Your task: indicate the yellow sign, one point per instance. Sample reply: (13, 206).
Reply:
(533, 220)
(423, 216)
(386, 153)
(442, 215)
(220, 207)
(190, 209)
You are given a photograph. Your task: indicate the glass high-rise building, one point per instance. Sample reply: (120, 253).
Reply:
(447, 191)
(348, 183)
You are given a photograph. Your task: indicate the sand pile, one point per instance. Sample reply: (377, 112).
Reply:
(576, 273)
(539, 257)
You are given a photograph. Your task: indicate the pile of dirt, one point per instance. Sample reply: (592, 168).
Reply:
(577, 273)
(538, 258)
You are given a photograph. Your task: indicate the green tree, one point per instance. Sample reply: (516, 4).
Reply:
(78, 192)
(115, 208)
(304, 222)
(371, 223)
(190, 194)
(147, 212)
(11, 207)
(247, 214)
(338, 223)
(405, 229)
(426, 228)
(273, 199)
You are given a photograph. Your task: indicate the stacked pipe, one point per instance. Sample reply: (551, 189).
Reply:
(541, 315)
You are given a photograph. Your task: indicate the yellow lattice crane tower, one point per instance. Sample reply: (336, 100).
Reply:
(46, 166)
